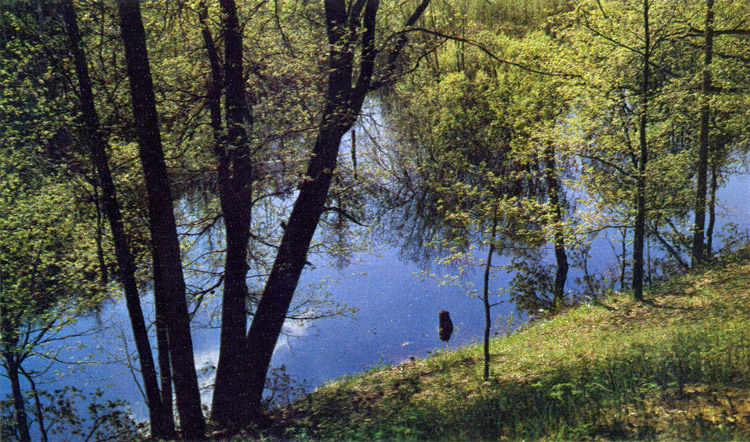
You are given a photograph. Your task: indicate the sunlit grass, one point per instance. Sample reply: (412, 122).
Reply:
(673, 368)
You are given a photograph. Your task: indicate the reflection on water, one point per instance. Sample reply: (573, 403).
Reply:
(397, 319)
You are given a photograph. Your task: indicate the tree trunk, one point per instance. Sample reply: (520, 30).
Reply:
(160, 423)
(165, 372)
(486, 297)
(290, 260)
(169, 283)
(9, 349)
(553, 194)
(624, 258)
(712, 210)
(700, 198)
(19, 405)
(640, 215)
(344, 101)
(235, 172)
(38, 412)
(348, 85)
(343, 104)
(104, 274)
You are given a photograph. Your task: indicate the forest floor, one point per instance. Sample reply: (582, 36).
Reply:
(675, 367)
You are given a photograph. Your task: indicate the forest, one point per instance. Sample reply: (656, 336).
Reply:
(191, 160)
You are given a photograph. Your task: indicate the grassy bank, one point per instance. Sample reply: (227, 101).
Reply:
(676, 367)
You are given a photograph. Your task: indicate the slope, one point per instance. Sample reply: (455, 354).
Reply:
(673, 368)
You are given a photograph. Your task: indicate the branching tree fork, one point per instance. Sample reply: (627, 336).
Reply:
(350, 79)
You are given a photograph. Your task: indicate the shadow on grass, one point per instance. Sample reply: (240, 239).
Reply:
(627, 396)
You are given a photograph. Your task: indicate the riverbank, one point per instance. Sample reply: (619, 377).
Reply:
(673, 368)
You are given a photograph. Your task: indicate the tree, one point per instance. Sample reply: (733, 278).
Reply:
(705, 111)
(476, 165)
(554, 193)
(349, 81)
(671, 185)
(235, 177)
(627, 135)
(160, 416)
(639, 233)
(44, 281)
(731, 26)
(47, 274)
(169, 283)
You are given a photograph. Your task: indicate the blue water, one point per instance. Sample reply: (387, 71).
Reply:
(397, 318)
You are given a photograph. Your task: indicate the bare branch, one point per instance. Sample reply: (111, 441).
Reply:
(344, 214)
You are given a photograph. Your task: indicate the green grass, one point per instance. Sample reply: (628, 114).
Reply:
(673, 368)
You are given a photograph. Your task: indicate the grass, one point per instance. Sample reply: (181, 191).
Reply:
(673, 368)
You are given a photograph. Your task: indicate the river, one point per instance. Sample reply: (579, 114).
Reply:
(397, 318)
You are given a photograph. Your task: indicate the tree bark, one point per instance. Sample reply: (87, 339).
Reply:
(169, 282)
(553, 194)
(165, 373)
(158, 419)
(640, 215)
(624, 258)
(235, 175)
(698, 255)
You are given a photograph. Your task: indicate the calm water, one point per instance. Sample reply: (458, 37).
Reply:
(397, 318)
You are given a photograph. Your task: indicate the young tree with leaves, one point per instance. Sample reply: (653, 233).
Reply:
(478, 161)
(624, 123)
(639, 229)
(48, 264)
(48, 274)
(733, 26)
(705, 115)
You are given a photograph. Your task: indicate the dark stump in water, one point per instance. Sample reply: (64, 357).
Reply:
(446, 326)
